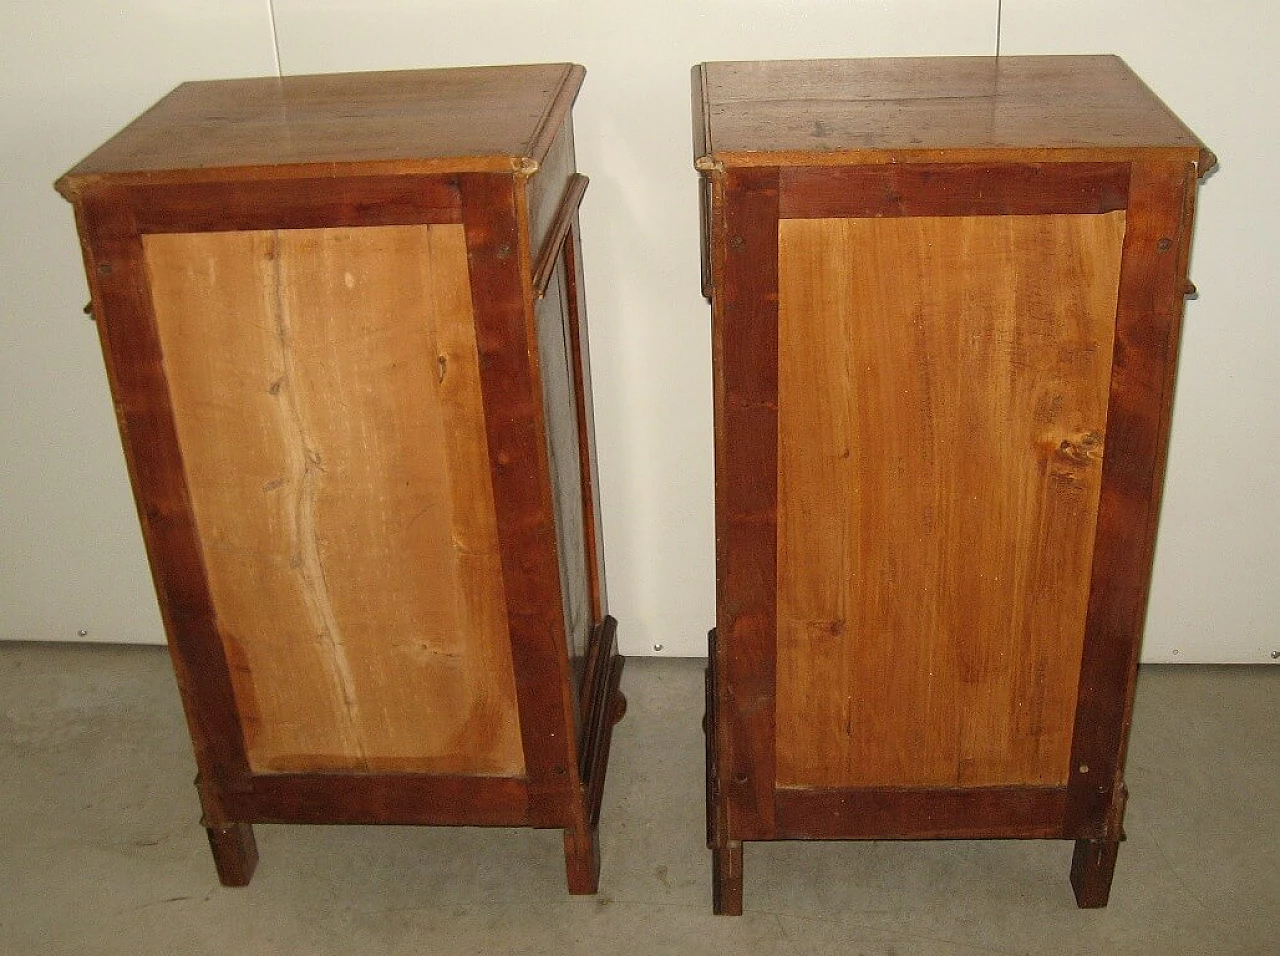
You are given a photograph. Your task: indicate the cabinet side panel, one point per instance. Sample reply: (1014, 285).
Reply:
(556, 364)
(942, 411)
(326, 391)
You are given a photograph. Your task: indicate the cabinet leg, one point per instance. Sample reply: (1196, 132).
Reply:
(582, 860)
(726, 880)
(235, 853)
(1092, 866)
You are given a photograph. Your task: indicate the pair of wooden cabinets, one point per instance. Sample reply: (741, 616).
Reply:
(344, 327)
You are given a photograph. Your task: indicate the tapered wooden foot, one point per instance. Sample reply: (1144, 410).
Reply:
(1092, 867)
(582, 860)
(726, 880)
(235, 853)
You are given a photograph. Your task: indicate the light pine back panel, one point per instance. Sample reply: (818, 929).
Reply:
(326, 389)
(942, 410)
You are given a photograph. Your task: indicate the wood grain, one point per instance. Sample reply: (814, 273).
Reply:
(235, 853)
(471, 119)
(321, 203)
(907, 813)
(1148, 330)
(337, 440)
(326, 392)
(942, 412)
(934, 109)
(500, 261)
(556, 371)
(982, 267)
(949, 189)
(603, 707)
(1093, 865)
(400, 798)
(126, 324)
(701, 139)
(550, 254)
(745, 346)
(588, 464)
(546, 188)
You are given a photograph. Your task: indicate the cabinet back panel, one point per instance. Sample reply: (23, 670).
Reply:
(943, 386)
(325, 385)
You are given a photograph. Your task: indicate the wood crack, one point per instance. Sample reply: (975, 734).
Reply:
(306, 461)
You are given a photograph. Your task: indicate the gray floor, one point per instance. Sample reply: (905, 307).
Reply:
(100, 852)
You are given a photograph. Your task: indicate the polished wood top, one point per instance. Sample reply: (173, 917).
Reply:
(473, 119)
(925, 109)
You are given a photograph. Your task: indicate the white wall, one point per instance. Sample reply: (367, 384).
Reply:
(72, 72)
(1216, 592)
(70, 557)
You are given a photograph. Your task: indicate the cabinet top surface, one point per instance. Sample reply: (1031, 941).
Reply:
(953, 109)
(472, 119)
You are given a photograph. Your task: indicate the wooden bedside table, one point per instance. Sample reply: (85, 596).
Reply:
(344, 327)
(946, 297)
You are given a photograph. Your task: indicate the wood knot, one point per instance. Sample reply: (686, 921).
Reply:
(1082, 449)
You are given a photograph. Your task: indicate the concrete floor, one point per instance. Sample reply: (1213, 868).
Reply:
(100, 852)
